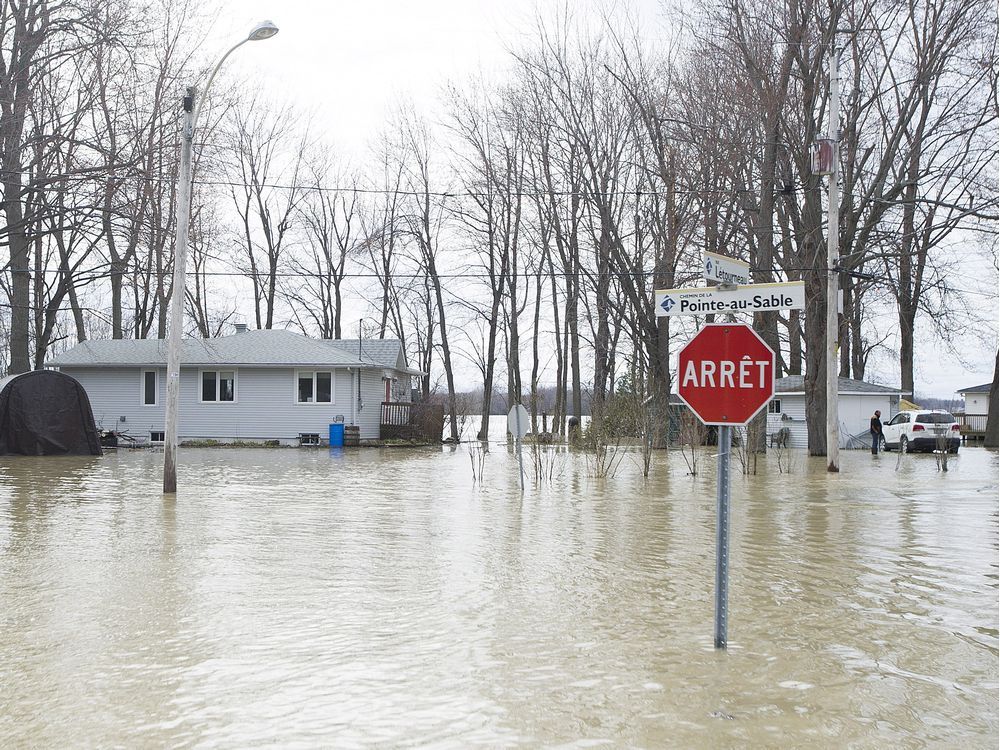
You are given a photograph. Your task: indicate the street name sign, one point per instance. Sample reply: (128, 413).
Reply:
(725, 374)
(724, 269)
(708, 300)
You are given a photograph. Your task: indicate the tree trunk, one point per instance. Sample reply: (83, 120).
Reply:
(815, 379)
(20, 298)
(907, 316)
(489, 371)
(794, 343)
(991, 416)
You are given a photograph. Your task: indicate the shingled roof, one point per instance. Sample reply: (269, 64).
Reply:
(382, 352)
(985, 388)
(796, 384)
(264, 348)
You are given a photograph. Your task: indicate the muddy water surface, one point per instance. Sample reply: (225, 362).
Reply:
(381, 598)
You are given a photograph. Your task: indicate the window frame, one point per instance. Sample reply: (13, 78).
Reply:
(315, 372)
(774, 406)
(142, 387)
(161, 433)
(218, 372)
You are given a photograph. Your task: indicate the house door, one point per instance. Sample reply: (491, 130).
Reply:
(387, 382)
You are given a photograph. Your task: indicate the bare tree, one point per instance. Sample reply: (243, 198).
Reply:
(267, 191)
(329, 217)
(425, 219)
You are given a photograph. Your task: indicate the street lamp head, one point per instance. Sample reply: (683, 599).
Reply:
(263, 30)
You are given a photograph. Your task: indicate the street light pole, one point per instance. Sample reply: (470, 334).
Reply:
(264, 30)
(832, 263)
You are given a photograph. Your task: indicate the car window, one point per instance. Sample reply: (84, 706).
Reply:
(937, 418)
(900, 418)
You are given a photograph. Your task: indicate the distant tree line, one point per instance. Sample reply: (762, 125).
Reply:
(525, 233)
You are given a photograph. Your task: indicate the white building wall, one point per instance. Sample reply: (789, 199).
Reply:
(977, 403)
(856, 412)
(265, 406)
(855, 416)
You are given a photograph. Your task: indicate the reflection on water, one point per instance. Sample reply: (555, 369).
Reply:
(381, 598)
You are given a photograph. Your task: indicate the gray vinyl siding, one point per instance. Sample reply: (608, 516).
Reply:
(265, 407)
(793, 407)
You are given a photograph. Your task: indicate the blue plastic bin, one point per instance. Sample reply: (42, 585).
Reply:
(337, 436)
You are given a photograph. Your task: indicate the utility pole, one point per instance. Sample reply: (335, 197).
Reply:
(832, 263)
(263, 30)
(177, 297)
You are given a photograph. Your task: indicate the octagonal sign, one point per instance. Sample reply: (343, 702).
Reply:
(726, 374)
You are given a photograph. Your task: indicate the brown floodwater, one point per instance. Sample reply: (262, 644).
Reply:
(383, 598)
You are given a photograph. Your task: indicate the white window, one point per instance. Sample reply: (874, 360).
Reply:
(156, 436)
(314, 387)
(774, 407)
(149, 389)
(217, 386)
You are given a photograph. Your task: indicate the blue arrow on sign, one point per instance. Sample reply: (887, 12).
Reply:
(667, 304)
(708, 266)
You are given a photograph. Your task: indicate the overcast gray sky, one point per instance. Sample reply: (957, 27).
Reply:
(351, 63)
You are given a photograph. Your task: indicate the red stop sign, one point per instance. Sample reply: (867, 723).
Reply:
(726, 374)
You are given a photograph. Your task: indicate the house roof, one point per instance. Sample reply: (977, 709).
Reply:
(387, 353)
(796, 384)
(265, 347)
(381, 352)
(985, 388)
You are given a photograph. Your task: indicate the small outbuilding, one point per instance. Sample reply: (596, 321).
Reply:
(857, 400)
(977, 399)
(46, 413)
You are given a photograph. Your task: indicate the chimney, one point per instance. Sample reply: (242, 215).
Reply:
(240, 327)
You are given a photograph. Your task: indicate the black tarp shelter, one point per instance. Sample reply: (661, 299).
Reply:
(46, 413)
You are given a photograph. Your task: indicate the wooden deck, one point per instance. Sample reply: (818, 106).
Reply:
(411, 421)
(972, 427)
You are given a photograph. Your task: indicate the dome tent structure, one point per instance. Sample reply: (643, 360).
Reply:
(46, 413)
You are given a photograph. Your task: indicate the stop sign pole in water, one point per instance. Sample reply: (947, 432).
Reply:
(725, 375)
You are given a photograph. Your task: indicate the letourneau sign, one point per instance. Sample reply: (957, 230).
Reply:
(790, 295)
(724, 269)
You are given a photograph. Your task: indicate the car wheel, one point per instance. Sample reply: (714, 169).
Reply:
(953, 450)
(904, 444)
(882, 447)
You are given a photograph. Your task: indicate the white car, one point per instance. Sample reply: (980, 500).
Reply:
(921, 430)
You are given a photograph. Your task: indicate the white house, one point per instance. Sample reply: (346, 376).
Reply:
(977, 399)
(251, 386)
(857, 400)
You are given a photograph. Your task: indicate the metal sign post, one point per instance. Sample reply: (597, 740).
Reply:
(517, 425)
(722, 538)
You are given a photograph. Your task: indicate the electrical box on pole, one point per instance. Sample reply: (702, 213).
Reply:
(821, 156)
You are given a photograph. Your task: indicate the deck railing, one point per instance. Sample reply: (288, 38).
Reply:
(405, 420)
(971, 423)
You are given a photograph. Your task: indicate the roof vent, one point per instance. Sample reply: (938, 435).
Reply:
(240, 327)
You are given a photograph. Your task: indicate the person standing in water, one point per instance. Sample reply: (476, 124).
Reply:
(876, 431)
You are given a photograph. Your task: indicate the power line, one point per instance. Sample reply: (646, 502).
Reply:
(446, 194)
(414, 274)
